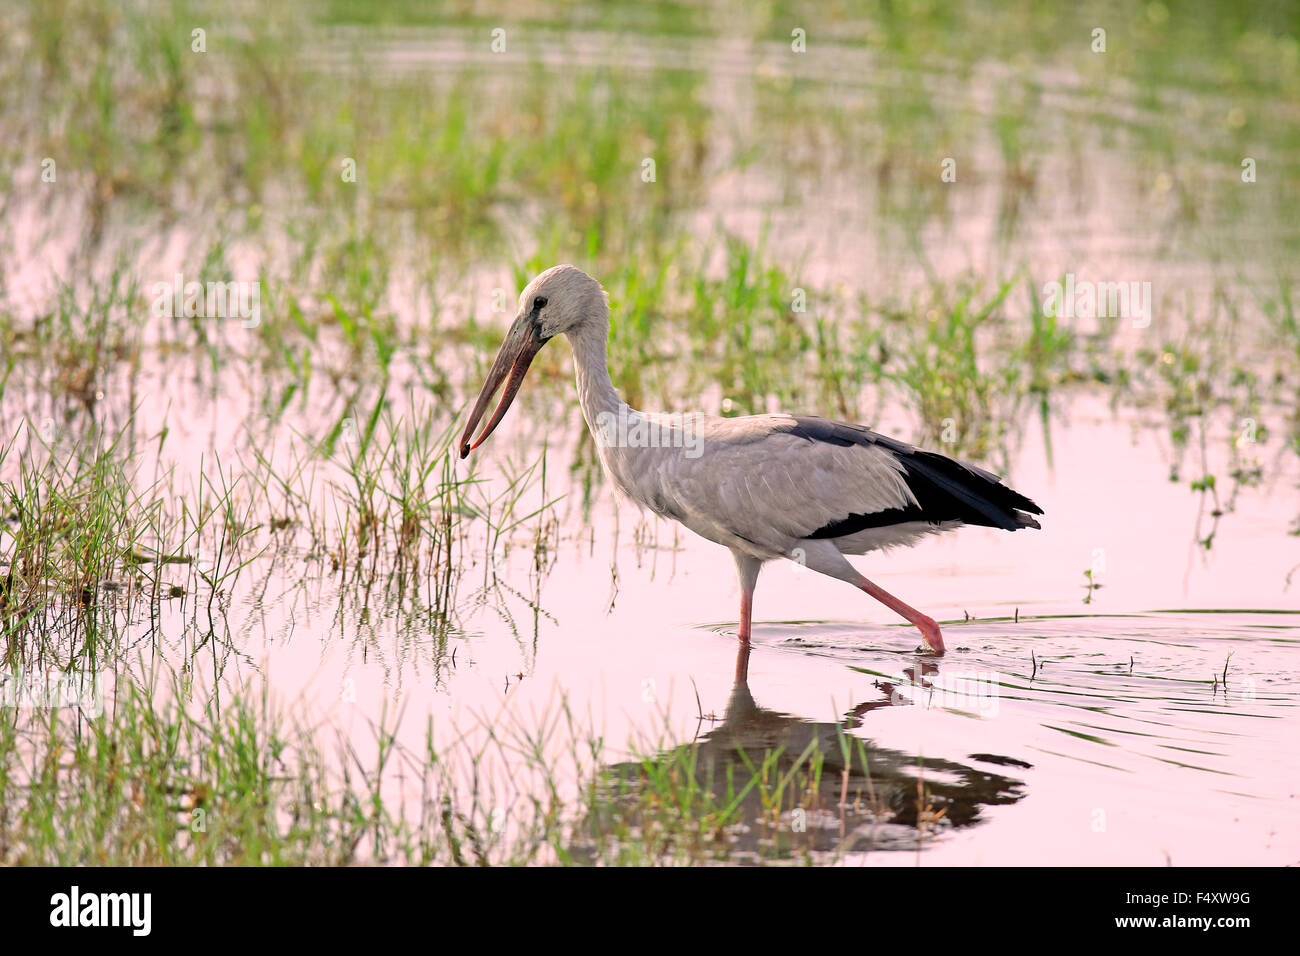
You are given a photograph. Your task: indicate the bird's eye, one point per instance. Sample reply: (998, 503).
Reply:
(539, 303)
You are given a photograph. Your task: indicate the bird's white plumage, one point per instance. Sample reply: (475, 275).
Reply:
(749, 484)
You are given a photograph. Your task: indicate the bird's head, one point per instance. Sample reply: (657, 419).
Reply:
(563, 299)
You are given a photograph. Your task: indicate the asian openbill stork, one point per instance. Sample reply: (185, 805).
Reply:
(763, 486)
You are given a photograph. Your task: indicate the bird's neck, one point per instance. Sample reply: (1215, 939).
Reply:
(596, 392)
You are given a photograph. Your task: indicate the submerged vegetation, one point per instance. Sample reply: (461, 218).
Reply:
(774, 232)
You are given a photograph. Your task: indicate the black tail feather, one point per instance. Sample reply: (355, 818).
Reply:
(945, 489)
(950, 490)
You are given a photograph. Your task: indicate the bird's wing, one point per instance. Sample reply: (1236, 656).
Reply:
(769, 479)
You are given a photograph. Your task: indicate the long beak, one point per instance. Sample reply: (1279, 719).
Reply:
(523, 341)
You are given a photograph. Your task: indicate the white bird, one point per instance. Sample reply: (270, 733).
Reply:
(764, 486)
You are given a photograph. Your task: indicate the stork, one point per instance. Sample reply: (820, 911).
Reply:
(764, 486)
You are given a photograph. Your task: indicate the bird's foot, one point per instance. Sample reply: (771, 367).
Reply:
(923, 623)
(931, 634)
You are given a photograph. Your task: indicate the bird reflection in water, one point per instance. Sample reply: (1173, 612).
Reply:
(779, 787)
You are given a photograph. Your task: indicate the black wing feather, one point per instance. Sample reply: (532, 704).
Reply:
(945, 489)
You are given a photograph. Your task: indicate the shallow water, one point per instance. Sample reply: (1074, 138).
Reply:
(1136, 751)
(1053, 730)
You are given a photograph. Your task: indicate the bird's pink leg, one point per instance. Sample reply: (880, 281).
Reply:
(746, 618)
(747, 566)
(924, 623)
